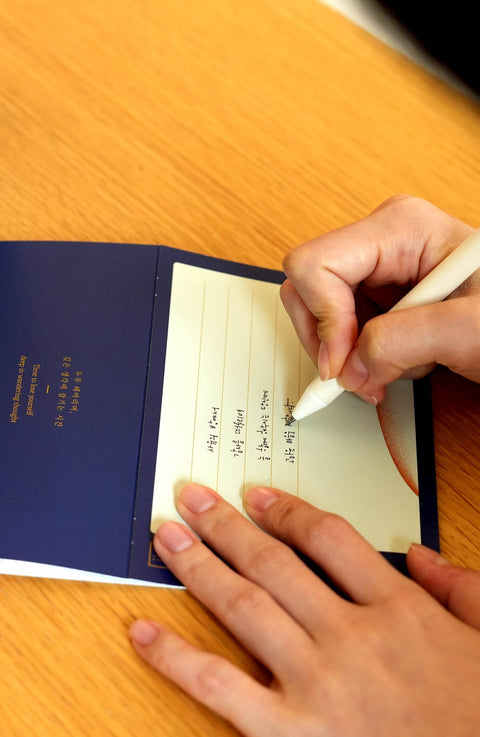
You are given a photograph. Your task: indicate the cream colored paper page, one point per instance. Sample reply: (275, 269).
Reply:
(234, 368)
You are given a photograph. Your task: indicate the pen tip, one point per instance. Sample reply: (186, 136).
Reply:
(289, 420)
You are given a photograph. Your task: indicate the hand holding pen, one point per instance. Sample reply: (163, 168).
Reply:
(341, 288)
(412, 646)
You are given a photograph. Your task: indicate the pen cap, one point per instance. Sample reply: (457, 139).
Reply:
(318, 395)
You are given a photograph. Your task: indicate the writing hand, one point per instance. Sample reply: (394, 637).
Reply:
(338, 282)
(389, 659)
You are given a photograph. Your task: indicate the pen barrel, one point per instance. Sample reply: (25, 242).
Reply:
(446, 276)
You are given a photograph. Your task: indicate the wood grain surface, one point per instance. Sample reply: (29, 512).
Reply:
(232, 129)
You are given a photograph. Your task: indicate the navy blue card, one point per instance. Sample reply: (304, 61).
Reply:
(83, 328)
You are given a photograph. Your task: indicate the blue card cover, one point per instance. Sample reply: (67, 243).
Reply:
(83, 328)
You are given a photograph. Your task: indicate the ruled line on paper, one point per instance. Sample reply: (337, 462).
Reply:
(220, 444)
(202, 319)
(299, 390)
(274, 383)
(252, 303)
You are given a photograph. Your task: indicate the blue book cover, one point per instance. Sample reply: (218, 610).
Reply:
(84, 333)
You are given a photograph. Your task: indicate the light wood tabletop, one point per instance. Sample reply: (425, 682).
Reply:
(237, 130)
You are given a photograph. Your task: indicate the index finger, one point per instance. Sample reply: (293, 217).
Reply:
(331, 542)
(397, 244)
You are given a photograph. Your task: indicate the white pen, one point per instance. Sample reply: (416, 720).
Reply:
(434, 287)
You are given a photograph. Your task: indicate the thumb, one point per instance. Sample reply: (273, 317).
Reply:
(458, 589)
(410, 342)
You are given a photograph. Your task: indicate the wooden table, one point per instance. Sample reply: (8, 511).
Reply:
(237, 129)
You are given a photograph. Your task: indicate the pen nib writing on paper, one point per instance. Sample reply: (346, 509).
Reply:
(288, 406)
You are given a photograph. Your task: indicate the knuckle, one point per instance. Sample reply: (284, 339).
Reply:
(395, 199)
(330, 528)
(195, 569)
(384, 360)
(210, 681)
(318, 526)
(412, 610)
(286, 292)
(220, 525)
(328, 320)
(160, 656)
(373, 340)
(280, 514)
(299, 263)
(246, 599)
(291, 262)
(403, 204)
(269, 559)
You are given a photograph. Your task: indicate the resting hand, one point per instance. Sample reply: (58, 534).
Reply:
(339, 281)
(390, 660)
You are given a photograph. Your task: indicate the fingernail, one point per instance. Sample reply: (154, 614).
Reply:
(370, 398)
(197, 498)
(260, 498)
(355, 373)
(143, 633)
(174, 537)
(323, 362)
(429, 554)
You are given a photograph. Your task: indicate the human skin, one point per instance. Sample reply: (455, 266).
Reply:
(345, 277)
(398, 656)
(395, 655)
